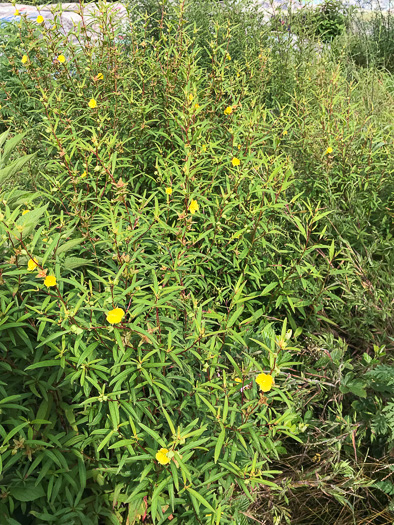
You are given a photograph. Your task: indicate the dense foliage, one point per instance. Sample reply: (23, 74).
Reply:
(196, 279)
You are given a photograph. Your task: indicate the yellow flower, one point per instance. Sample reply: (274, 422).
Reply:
(168, 191)
(162, 457)
(265, 382)
(115, 316)
(238, 380)
(25, 211)
(100, 76)
(50, 280)
(61, 59)
(228, 110)
(32, 265)
(83, 175)
(204, 148)
(196, 106)
(191, 97)
(16, 13)
(92, 103)
(24, 59)
(235, 162)
(40, 19)
(328, 150)
(285, 132)
(193, 207)
(228, 57)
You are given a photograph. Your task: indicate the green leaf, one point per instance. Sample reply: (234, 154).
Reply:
(68, 246)
(27, 493)
(219, 444)
(154, 434)
(10, 146)
(106, 439)
(234, 317)
(268, 288)
(27, 222)
(166, 481)
(198, 496)
(355, 387)
(43, 364)
(170, 423)
(71, 263)
(13, 168)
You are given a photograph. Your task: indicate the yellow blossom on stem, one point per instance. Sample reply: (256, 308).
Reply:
(25, 211)
(193, 207)
(162, 457)
(16, 13)
(235, 162)
(238, 380)
(285, 132)
(265, 382)
(83, 175)
(115, 316)
(196, 106)
(32, 265)
(40, 19)
(228, 110)
(61, 59)
(191, 97)
(50, 280)
(25, 58)
(100, 76)
(328, 150)
(169, 191)
(92, 103)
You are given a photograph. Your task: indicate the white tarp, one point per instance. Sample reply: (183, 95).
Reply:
(68, 16)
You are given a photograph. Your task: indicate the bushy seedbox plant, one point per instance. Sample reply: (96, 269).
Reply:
(191, 207)
(135, 280)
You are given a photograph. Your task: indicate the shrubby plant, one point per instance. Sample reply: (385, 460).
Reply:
(326, 21)
(204, 200)
(118, 374)
(126, 332)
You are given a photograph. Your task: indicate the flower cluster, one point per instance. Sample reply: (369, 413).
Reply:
(49, 280)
